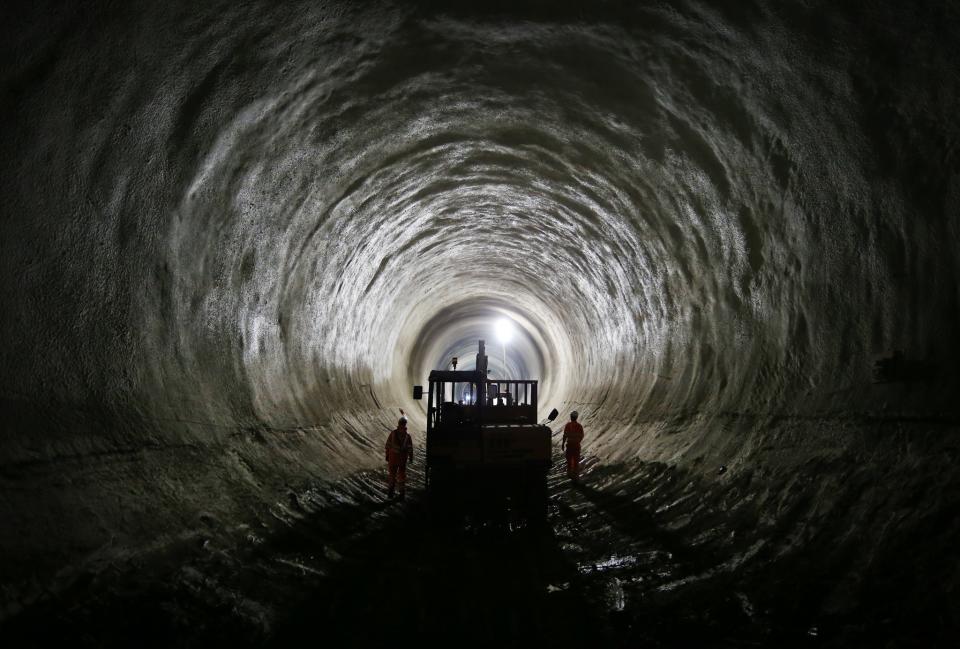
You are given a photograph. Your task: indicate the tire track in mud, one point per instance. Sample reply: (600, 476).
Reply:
(650, 585)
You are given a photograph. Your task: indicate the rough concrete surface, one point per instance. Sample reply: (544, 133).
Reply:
(233, 235)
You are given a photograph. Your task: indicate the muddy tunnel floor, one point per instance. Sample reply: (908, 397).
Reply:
(656, 561)
(235, 237)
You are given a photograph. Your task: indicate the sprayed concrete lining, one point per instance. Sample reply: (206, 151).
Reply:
(234, 235)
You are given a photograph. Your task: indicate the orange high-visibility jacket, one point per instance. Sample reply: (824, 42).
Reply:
(399, 447)
(573, 434)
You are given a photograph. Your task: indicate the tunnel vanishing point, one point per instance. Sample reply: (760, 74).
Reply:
(235, 234)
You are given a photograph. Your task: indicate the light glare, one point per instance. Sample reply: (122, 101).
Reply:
(504, 330)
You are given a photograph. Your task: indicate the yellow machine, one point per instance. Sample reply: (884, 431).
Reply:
(476, 423)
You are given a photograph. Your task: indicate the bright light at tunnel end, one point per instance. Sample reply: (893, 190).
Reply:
(504, 330)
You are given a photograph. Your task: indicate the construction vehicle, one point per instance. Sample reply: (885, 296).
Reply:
(480, 425)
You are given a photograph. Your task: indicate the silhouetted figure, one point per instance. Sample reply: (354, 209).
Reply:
(399, 449)
(572, 437)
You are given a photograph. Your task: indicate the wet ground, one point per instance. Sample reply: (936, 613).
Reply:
(647, 558)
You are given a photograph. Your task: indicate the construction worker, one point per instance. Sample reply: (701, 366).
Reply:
(572, 437)
(399, 449)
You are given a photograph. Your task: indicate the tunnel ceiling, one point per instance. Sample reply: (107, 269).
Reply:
(233, 234)
(224, 216)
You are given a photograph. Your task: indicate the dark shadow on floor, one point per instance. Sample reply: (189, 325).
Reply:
(638, 556)
(468, 570)
(472, 568)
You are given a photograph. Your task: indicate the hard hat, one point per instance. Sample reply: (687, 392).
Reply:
(402, 422)
(574, 414)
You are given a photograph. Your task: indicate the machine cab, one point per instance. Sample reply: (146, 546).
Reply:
(475, 421)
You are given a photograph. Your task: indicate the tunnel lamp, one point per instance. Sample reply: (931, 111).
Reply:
(504, 330)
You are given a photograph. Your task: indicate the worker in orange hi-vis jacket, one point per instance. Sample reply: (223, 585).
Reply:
(399, 450)
(572, 437)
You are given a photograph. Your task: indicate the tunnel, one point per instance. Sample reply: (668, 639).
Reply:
(235, 235)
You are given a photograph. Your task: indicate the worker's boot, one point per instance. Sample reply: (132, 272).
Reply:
(403, 494)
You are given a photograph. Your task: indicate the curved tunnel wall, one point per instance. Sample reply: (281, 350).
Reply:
(233, 236)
